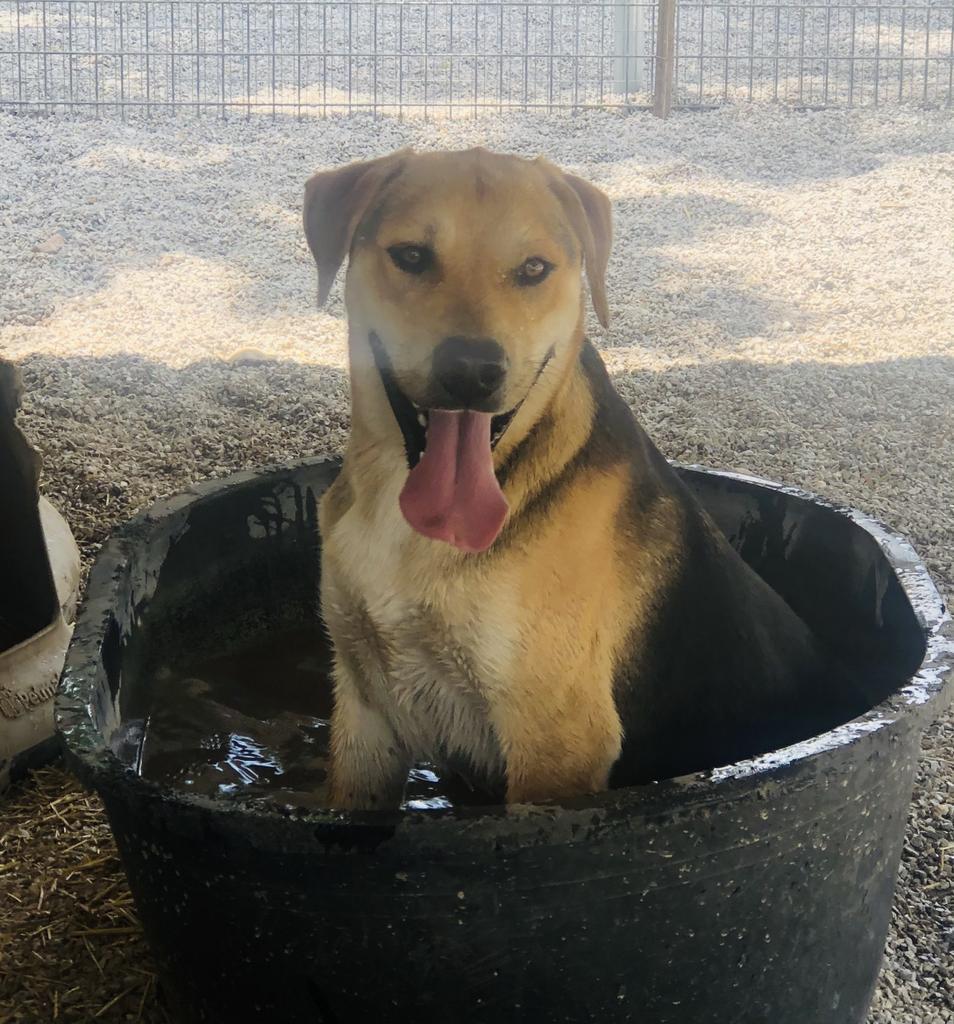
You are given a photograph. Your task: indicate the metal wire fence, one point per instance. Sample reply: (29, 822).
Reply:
(455, 57)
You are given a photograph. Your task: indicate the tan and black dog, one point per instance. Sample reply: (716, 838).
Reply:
(517, 584)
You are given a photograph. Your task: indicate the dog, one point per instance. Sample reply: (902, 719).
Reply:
(518, 586)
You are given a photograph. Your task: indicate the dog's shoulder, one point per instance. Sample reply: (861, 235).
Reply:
(721, 669)
(714, 665)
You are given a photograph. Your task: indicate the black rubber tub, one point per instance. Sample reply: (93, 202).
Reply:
(756, 893)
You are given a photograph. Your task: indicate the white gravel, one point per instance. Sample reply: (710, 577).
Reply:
(781, 285)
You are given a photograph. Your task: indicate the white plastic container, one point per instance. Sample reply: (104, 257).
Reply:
(39, 588)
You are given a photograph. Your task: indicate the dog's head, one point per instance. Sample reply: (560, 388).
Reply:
(464, 283)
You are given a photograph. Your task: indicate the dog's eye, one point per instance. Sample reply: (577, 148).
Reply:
(533, 270)
(413, 259)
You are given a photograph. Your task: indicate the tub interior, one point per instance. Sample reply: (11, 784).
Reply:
(217, 666)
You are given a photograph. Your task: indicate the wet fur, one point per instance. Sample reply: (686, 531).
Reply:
(610, 633)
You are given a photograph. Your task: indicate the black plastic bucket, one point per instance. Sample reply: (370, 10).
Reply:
(757, 893)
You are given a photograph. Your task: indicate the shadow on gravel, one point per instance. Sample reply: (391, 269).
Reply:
(120, 431)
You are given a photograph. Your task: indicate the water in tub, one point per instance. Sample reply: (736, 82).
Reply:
(252, 724)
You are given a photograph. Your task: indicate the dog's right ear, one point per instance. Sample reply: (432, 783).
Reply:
(335, 202)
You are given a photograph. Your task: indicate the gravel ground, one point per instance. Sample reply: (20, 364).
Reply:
(781, 286)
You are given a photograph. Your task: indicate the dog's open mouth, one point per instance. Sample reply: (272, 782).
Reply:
(452, 493)
(413, 420)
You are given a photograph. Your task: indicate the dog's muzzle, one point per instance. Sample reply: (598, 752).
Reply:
(466, 369)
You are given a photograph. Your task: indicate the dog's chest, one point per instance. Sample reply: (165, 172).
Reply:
(432, 639)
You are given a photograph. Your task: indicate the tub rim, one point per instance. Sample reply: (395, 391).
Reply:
(913, 705)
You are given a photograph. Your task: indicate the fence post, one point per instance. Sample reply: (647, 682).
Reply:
(665, 58)
(629, 45)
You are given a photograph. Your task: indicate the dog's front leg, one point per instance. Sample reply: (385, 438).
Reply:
(369, 765)
(534, 777)
(563, 752)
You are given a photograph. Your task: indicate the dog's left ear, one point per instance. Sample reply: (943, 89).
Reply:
(591, 214)
(335, 203)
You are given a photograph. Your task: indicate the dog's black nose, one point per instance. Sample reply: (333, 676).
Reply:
(470, 370)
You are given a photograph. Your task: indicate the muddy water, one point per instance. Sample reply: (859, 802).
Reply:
(254, 723)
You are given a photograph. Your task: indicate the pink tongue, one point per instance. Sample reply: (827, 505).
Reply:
(452, 493)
